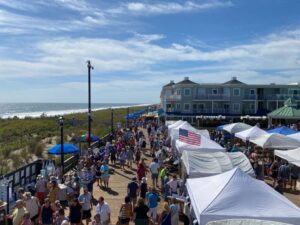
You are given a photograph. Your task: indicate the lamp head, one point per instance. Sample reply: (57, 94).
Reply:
(61, 120)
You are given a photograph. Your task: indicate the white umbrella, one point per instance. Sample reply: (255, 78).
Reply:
(275, 141)
(236, 127)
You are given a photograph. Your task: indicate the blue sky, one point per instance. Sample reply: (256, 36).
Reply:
(138, 46)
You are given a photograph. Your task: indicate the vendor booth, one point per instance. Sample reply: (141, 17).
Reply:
(206, 145)
(174, 133)
(197, 164)
(236, 127)
(275, 141)
(236, 195)
(250, 133)
(292, 156)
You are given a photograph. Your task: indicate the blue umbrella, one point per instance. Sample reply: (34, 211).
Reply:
(68, 149)
(282, 130)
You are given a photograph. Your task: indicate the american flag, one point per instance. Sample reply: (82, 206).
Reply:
(189, 137)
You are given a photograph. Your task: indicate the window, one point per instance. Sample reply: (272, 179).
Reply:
(252, 106)
(236, 107)
(201, 106)
(236, 92)
(178, 92)
(252, 92)
(187, 107)
(177, 106)
(187, 92)
(214, 91)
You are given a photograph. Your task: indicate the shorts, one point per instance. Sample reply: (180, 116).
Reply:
(133, 200)
(153, 213)
(124, 221)
(105, 178)
(154, 176)
(86, 214)
(294, 178)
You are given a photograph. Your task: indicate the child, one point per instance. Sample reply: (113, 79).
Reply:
(26, 219)
(96, 220)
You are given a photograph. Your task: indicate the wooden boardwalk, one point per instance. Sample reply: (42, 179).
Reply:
(118, 189)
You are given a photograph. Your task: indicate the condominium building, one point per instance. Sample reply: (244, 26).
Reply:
(232, 98)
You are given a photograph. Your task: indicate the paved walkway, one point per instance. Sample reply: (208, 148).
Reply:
(118, 189)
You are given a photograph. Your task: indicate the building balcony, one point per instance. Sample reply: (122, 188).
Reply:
(279, 97)
(173, 98)
(249, 97)
(213, 97)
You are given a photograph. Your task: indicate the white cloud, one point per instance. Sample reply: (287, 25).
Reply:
(278, 53)
(142, 8)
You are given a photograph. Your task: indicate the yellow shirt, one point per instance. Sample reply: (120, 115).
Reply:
(18, 215)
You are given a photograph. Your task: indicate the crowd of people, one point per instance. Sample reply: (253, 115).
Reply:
(263, 161)
(144, 150)
(125, 151)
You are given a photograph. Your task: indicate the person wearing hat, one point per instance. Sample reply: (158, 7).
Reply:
(143, 188)
(53, 191)
(18, 213)
(85, 200)
(32, 205)
(133, 190)
(41, 188)
(104, 169)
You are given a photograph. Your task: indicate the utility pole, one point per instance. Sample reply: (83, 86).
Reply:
(90, 67)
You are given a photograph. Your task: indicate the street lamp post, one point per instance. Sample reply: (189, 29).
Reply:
(61, 124)
(112, 121)
(127, 122)
(90, 67)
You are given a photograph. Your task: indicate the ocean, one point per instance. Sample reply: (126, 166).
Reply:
(22, 110)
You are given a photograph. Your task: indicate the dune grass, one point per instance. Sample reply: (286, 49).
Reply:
(21, 139)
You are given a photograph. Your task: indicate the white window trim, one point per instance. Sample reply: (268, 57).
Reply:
(238, 105)
(178, 91)
(212, 91)
(236, 89)
(185, 105)
(187, 89)
(253, 91)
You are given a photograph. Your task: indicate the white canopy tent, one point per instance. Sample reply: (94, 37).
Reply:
(250, 133)
(206, 145)
(245, 222)
(174, 133)
(295, 136)
(275, 141)
(175, 124)
(292, 156)
(236, 195)
(236, 127)
(198, 164)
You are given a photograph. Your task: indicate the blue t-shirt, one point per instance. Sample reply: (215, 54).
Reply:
(152, 200)
(104, 170)
(132, 186)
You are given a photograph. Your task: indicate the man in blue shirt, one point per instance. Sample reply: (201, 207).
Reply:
(153, 199)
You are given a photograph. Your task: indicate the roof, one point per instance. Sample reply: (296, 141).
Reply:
(169, 84)
(289, 110)
(234, 81)
(185, 81)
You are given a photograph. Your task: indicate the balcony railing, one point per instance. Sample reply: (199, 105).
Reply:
(278, 97)
(213, 97)
(173, 97)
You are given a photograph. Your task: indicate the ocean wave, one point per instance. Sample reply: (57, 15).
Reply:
(53, 113)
